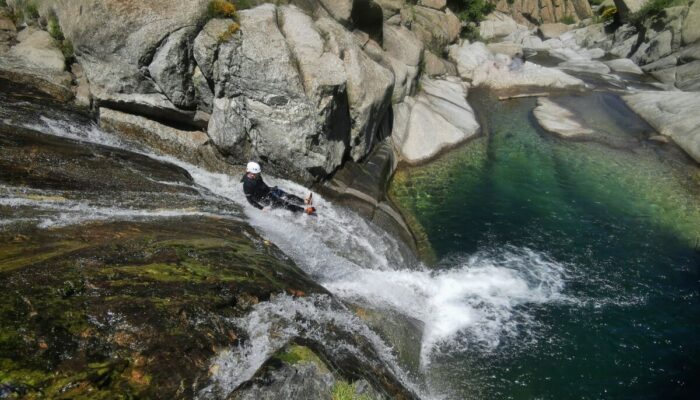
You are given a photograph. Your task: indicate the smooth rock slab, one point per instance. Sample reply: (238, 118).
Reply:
(559, 120)
(691, 24)
(499, 76)
(624, 65)
(497, 24)
(673, 114)
(192, 146)
(433, 121)
(553, 30)
(589, 66)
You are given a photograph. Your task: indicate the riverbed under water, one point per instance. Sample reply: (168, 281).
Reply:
(589, 252)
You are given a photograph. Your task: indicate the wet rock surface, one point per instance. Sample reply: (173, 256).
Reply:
(121, 276)
(134, 308)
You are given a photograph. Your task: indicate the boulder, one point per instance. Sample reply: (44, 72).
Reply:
(436, 4)
(658, 47)
(498, 24)
(207, 42)
(172, 69)
(36, 61)
(688, 76)
(203, 93)
(369, 87)
(502, 75)
(468, 57)
(436, 119)
(83, 98)
(116, 55)
(690, 53)
(261, 107)
(666, 76)
(390, 8)
(552, 30)
(436, 29)
(436, 66)
(673, 114)
(530, 12)
(627, 8)
(509, 49)
(6, 24)
(691, 24)
(340, 10)
(624, 65)
(402, 44)
(37, 49)
(558, 120)
(191, 146)
(591, 35)
(322, 72)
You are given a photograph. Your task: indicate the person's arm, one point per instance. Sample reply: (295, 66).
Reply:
(252, 202)
(249, 191)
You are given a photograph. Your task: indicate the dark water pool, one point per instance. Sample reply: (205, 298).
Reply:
(623, 217)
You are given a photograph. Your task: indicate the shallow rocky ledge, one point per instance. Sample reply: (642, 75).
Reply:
(673, 114)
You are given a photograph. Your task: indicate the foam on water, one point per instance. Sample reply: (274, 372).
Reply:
(273, 324)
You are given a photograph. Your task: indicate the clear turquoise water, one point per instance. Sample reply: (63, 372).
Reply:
(619, 212)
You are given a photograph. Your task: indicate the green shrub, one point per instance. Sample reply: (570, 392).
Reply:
(228, 33)
(654, 8)
(221, 9)
(31, 11)
(567, 19)
(345, 391)
(608, 13)
(67, 49)
(3, 3)
(54, 28)
(474, 10)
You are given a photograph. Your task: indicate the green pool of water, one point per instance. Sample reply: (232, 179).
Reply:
(621, 213)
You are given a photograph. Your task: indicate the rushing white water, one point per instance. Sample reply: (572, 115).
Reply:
(273, 324)
(472, 300)
(69, 212)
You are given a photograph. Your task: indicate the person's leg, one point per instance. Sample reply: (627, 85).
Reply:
(288, 197)
(279, 199)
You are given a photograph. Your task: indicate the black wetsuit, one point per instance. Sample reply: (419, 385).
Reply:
(260, 195)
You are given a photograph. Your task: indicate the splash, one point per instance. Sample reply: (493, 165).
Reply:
(273, 324)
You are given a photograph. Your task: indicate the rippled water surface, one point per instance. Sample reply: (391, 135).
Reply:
(615, 225)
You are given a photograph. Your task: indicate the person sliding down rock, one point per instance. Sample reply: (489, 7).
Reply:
(262, 197)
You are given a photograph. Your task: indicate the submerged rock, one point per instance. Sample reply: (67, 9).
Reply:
(559, 120)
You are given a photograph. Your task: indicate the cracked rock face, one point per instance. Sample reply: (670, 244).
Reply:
(297, 93)
(138, 61)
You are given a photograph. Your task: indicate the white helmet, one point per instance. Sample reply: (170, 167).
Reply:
(253, 167)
